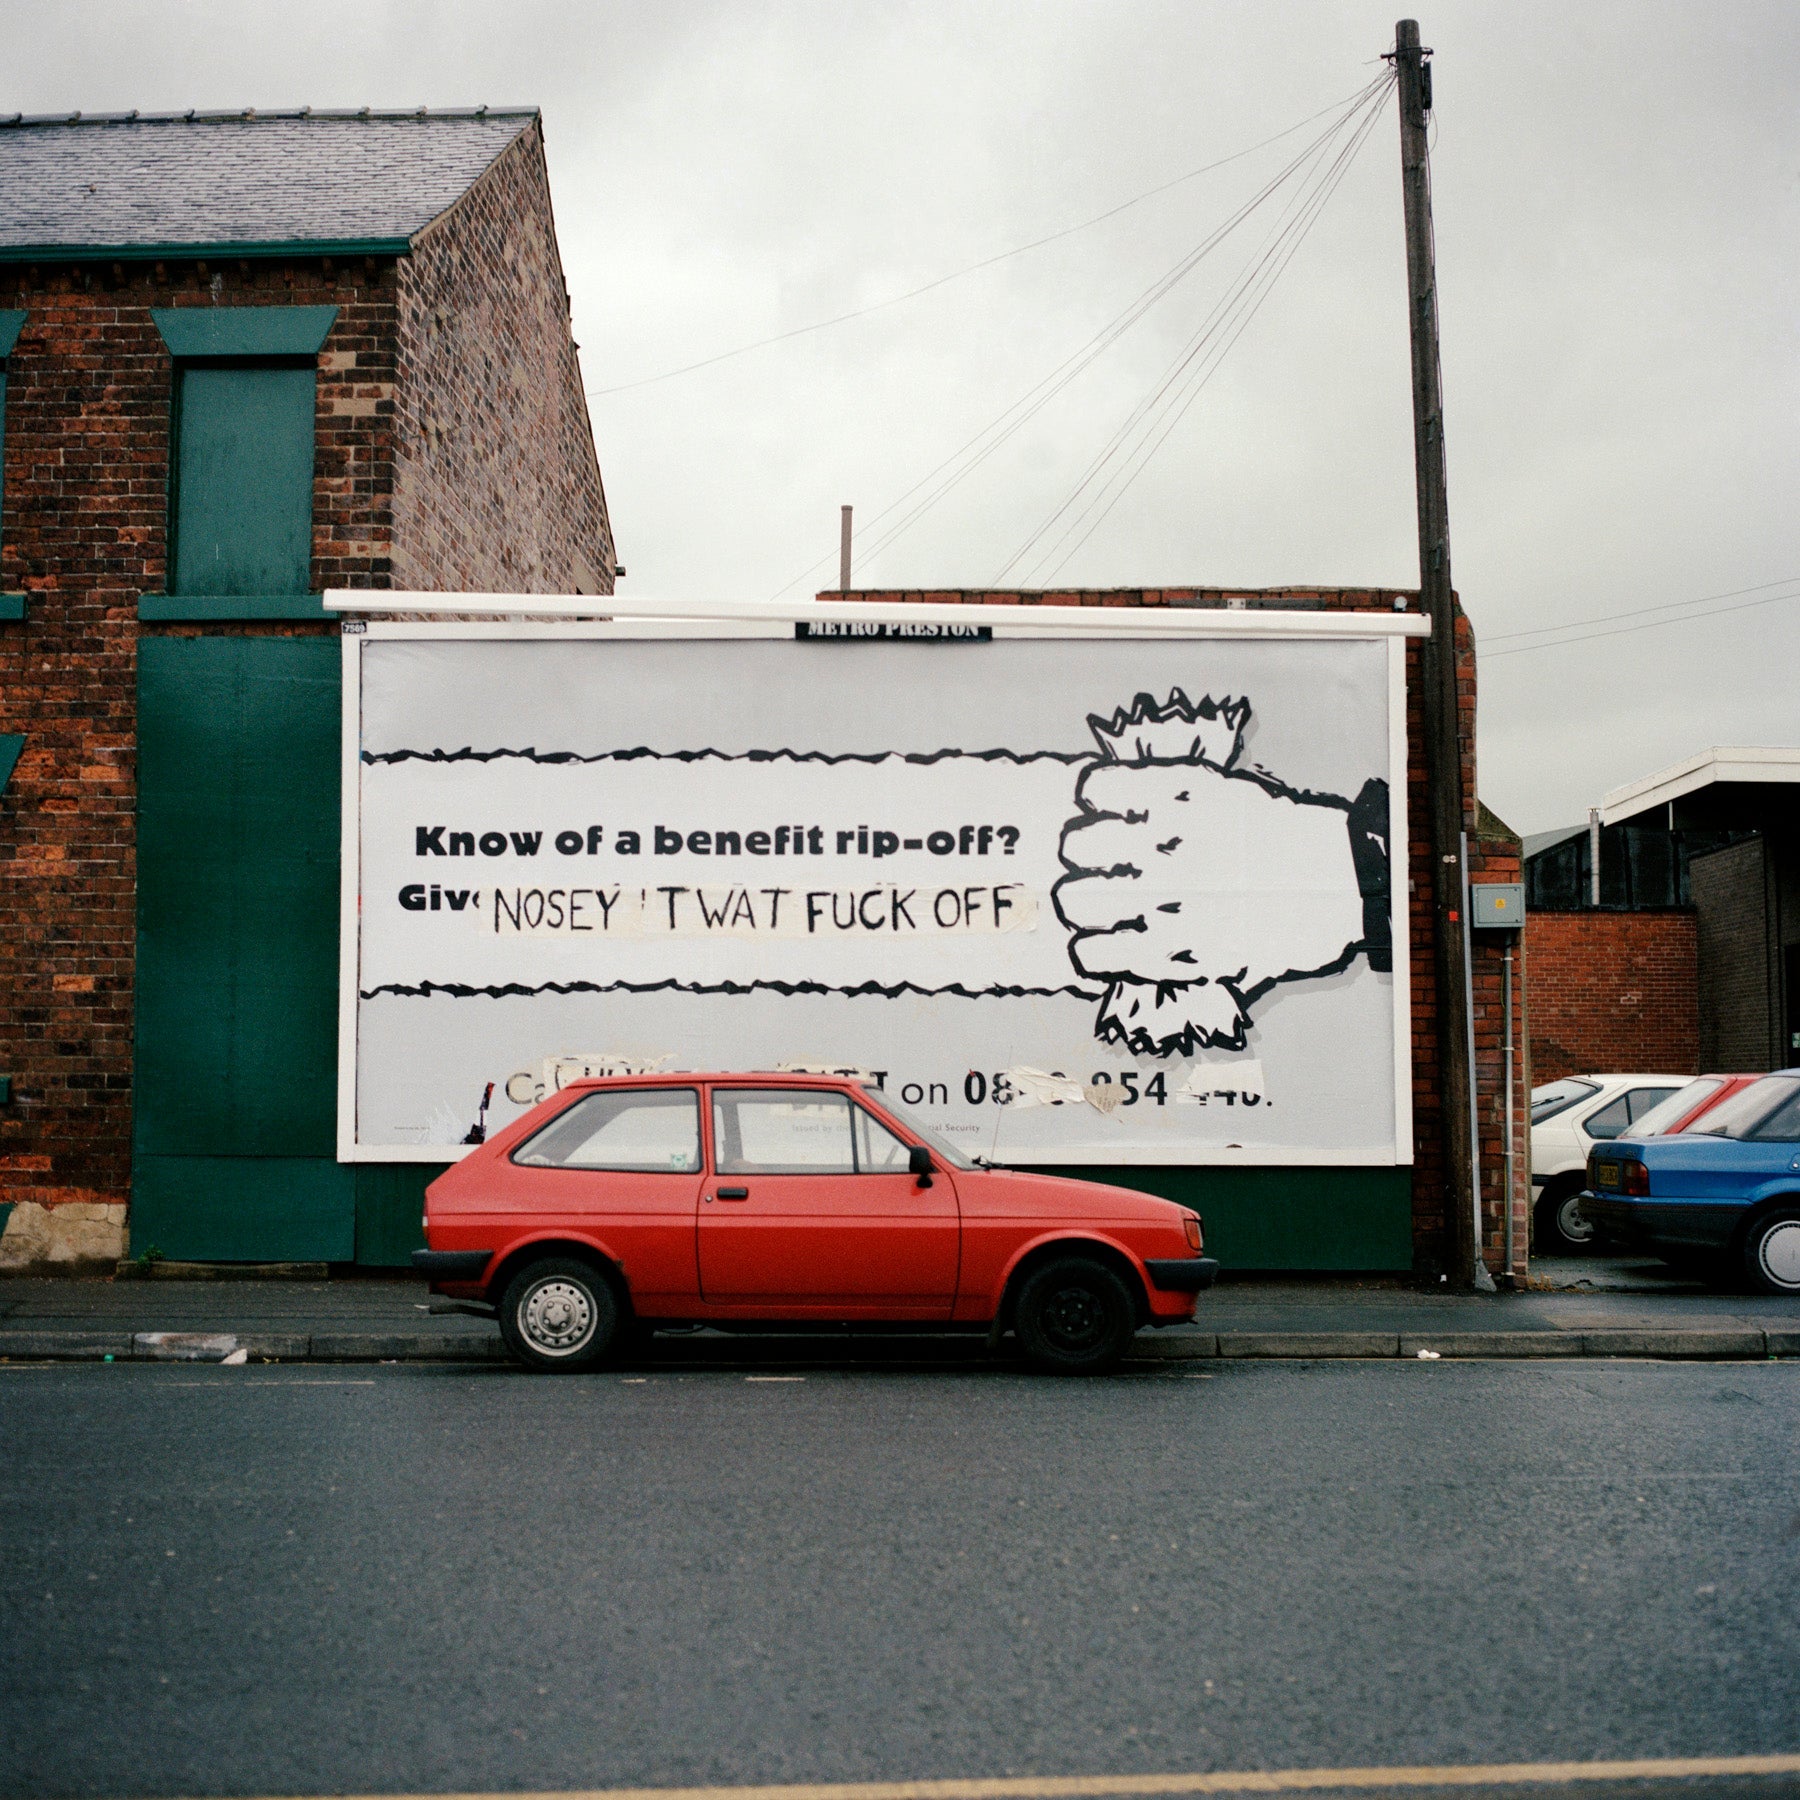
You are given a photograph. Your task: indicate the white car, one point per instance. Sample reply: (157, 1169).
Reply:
(1568, 1118)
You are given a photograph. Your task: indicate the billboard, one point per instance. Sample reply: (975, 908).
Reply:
(1072, 900)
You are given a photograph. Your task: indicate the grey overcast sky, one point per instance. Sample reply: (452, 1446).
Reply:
(1617, 185)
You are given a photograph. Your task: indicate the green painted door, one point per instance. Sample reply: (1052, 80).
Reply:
(236, 1071)
(243, 479)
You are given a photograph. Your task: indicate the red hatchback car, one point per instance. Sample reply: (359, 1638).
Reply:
(637, 1201)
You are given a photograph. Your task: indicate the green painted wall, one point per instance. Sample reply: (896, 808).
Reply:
(236, 1065)
(1288, 1218)
(243, 485)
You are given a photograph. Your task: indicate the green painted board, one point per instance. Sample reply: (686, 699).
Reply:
(243, 330)
(201, 609)
(238, 743)
(243, 1209)
(242, 500)
(390, 1200)
(1288, 1218)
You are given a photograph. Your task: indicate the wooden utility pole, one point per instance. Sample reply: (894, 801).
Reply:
(1443, 749)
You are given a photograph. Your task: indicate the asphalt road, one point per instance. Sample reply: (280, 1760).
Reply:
(304, 1580)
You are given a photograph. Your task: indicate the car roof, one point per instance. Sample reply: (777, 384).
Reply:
(1624, 1080)
(687, 1078)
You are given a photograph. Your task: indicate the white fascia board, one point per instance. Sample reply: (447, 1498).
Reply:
(1776, 763)
(1035, 621)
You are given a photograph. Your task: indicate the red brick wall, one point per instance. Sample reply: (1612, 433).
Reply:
(1613, 991)
(83, 531)
(497, 487)
(1490, 860)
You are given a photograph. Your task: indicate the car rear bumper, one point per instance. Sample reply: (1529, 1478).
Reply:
(1675, 1223)
(1183, 1275)
(452, 1265)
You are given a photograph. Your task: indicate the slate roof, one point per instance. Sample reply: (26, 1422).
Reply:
(134, 182)
(1536, 841)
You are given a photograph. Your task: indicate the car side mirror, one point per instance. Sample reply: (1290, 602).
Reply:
(918, 1162)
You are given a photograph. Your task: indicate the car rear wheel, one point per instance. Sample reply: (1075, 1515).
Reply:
(1074, 1317)
(1561, 1230)
(1772, 1252)
(560, 1314)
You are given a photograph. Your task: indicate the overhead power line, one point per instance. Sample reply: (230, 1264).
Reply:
(974, 268)
(932, 487)
(1635, 612)
(1147, 427)
(1713, 612)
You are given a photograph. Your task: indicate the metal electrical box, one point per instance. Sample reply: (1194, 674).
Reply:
(1497, 906)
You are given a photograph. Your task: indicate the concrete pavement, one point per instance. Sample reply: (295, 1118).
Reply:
(1621, 1312)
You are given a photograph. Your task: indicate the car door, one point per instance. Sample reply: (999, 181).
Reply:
(810, 1209)
(621, 1167)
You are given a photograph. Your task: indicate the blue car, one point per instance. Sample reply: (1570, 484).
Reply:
(1725, 1192)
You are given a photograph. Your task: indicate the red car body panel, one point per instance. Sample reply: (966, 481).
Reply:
(1699, 1111)
(793, 1246)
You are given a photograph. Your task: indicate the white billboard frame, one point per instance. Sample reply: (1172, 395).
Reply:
(692, 621)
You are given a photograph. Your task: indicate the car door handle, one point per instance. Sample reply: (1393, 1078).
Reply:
(734, 1193)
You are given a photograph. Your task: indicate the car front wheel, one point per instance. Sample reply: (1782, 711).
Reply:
(560, 1314)
(1772, 1252)
(1561, 1230)
(1074, 1317)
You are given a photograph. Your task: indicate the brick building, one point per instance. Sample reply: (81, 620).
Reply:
(1691, 958)
(243, 357)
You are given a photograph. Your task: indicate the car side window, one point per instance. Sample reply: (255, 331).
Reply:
(781, 1131)
(878, 1151)
(1610, 1120)
(1642, 1099)
(1783, 1124)
(638, 1132)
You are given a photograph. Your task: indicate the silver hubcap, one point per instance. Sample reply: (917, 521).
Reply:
(1779, 1253)
(1570, 1222)
(557, 1316)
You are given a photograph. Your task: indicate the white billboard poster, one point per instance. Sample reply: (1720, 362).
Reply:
(1120, 900)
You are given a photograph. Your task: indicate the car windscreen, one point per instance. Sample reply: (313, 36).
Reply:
(954, 1157)
(1765, 1109)
(1678, 1105)
(1558, 1096)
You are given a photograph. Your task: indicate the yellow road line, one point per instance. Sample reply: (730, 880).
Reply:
(1239, 1781)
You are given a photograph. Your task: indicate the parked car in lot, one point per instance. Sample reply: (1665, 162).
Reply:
(1567, 1119)
(1688, 1105)
(1725, 1190)
(630, 1202)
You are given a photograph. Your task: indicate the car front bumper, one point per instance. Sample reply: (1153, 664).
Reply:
(1184, 1274)
(452, 1265)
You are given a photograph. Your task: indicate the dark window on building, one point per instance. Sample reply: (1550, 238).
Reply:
(242, 491)
(1641, 867)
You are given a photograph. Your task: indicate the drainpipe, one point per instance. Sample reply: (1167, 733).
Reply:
(1483, 1282)
(1593, 856)
(1510, 1172)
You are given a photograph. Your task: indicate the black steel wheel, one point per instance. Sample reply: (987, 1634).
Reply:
(1074, 1316)
(559, 1314)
